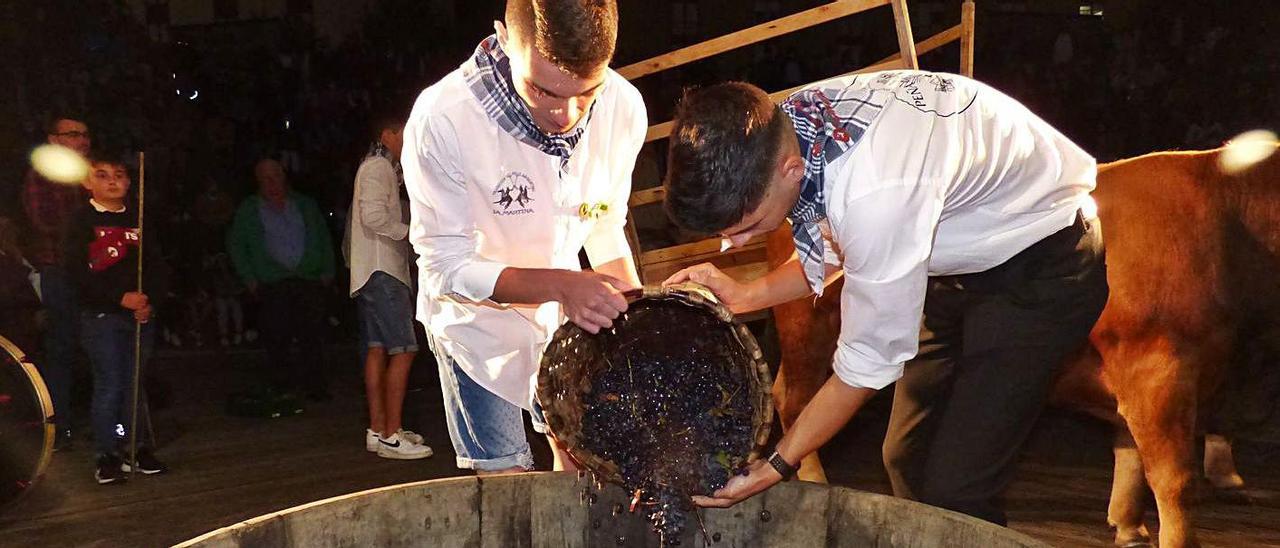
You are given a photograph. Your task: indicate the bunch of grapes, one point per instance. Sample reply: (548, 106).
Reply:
(668, 512)
(669, 408)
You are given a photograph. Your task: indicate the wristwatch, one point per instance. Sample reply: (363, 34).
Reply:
(781, 465)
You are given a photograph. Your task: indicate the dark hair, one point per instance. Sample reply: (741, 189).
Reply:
(51, 124)
(724, 147)
(579, 36)
(385, 122)
(107, 157)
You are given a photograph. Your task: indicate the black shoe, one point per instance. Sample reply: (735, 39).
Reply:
(147, 463)
(109, 470)
(62, 440)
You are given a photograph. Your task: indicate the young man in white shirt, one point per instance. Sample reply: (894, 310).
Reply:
(514, 163)
(378, 253)
(962, 225)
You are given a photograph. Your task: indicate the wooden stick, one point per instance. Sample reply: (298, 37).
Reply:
(647, 196)
(906, 44)
(661, 131)
(709, 246)
(137, 325)
(925, 46)
(966, 38)
(748, 36)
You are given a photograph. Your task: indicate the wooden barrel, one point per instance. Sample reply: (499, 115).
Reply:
(26, 433)
(557, 509)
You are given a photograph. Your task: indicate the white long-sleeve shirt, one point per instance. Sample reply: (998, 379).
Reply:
(378, 228)
(953, 177)
(482, 201)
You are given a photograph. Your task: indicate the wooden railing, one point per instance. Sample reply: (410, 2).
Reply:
(748, 261)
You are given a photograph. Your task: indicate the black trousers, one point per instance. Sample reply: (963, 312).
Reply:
(292, 313)
(991, 344)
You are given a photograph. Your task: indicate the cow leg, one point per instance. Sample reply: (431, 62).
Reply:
(792, 390)
(1158, 402)
(1128, 493)
(1220, 464)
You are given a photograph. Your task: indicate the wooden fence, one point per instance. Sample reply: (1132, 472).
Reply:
(748, 262)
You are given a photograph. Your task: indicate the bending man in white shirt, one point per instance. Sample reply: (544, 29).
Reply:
(379, 258)
(962, 226)
(514, 163)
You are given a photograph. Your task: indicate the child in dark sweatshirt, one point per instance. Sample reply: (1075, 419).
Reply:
(102, 250)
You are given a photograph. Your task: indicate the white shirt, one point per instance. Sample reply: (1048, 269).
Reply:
(377, 227)
(953, 177)
(482, 201)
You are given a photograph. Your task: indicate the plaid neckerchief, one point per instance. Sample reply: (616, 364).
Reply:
(828, 123)
(489, 76)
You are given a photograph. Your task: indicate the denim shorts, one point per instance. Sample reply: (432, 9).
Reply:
(386, 314)
(487, 431)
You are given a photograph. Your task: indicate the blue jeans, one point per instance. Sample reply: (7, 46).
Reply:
(487, 431)
(385, 309)
(108, 340)
(59, 299)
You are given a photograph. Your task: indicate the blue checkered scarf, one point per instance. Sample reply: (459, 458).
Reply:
(489, 76)
(828, 123)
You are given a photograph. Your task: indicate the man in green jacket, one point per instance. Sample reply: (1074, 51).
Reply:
(280, 246)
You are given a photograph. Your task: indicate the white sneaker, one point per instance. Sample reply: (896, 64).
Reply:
(396, 447)
(412, 436)
(371, 438)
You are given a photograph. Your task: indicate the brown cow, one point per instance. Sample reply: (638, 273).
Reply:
(1192, 256)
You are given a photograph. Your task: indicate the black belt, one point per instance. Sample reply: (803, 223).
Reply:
(1059, 243)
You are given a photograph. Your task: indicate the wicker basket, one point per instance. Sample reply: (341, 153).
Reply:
(567, 366)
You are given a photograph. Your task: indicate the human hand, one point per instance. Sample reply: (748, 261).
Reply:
(134, 300)
(142, 315)
(760, 476)
(591, 300)
(732, 293)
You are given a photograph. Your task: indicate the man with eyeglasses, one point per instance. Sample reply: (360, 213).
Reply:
(49, 207)
(514, 163)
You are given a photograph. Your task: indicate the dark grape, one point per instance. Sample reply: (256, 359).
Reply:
(669, 403)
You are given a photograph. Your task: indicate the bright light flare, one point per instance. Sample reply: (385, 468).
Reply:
(59, 164)
(1247, 149)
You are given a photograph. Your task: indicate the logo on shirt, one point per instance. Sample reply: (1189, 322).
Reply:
(924, 91)
(513, 195)
(110, 245)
